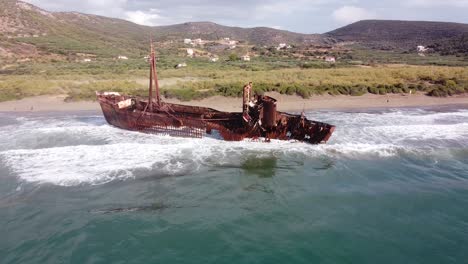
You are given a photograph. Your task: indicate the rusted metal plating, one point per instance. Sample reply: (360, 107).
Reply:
(258, 119)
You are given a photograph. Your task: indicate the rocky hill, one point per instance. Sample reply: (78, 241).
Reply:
(393, 34)
(258, 35)
(28, 31)
(24, 25)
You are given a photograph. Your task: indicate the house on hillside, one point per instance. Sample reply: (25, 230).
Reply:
(214, 59)
(87, 60)
(187, 41)
(120, 57)
(421, 49)
(281, 46)
(330, 59)
(245, 58)
(190, 53)
(198, 41)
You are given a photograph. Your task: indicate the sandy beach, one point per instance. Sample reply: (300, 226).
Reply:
(285, 102)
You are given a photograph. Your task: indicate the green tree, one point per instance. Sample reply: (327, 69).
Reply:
(233, 57)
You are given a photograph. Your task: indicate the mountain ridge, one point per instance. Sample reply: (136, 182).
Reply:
(25, 27)
(398, 33)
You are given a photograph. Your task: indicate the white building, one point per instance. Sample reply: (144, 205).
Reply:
(245, 58)
(190, 52)
(187, 41)
(330, 59)
(86, 60)
(421, 49)
(120, 57)
(214, 59)
(281, 46)
(198, 41)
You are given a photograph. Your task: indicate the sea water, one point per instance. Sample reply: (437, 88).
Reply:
(391, 186)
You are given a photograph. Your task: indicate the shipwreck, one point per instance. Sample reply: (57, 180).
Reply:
(259, 118)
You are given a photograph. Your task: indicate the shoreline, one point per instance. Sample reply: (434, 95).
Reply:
(56, 103)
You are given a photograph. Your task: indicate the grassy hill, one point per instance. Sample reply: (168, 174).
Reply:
(66, 33)
(257, 35)
(393, 34)
(27, 31)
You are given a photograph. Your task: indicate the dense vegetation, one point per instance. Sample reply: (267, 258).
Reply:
(435, 81)
(227, 79)
(457, 46)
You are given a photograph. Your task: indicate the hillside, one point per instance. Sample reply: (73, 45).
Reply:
(24, 27)
(391, 34)
(258, 35)
(27, 31)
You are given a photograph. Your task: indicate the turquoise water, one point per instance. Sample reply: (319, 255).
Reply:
(390, 187)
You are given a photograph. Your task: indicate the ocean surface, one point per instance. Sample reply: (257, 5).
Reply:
(391, 186)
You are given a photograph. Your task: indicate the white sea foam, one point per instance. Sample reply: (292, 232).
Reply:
(96, 164)
(70, 151)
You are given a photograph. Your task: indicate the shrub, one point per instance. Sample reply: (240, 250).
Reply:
(233, 57)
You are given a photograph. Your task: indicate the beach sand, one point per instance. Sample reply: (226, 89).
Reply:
(285, 102)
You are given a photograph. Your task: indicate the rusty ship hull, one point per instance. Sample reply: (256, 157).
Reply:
(258, 119)
(192, 121)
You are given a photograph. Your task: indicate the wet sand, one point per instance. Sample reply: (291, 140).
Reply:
(285, 102)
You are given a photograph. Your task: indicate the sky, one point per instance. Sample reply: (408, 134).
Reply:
(305, 16)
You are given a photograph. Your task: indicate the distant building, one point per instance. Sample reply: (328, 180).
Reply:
(245, 58)
(214, 59)
(120, 57)
(232, 47)
(187, 41)
(330, 59)
(232, 42)
(421, 49)
(281, 46)
(198, 41)
(86, 60)
(190, 52)
(226, 39)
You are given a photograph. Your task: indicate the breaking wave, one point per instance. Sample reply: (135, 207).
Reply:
(72, 150)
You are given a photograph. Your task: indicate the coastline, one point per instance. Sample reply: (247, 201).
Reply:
(56, 103)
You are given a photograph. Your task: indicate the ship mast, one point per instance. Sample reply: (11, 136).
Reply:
(153, 80)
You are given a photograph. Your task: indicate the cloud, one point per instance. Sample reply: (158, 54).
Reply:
(143, 18)
(350, 14)
(309, 16)
(437, 3)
